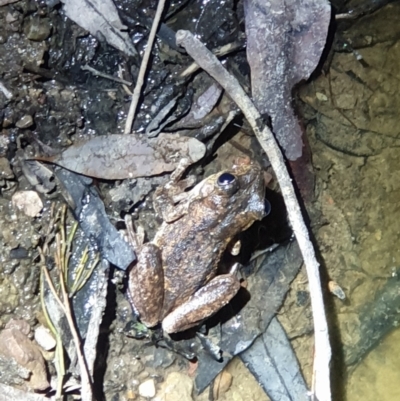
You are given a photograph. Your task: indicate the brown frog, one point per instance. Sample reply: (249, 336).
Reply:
(175, 279)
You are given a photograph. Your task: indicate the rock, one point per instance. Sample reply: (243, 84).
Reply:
(130, 395)
(19, 324)
(222, 383)
(8, 120)
(158, 358)
(5, 169)
(28, 202)
(9, 296)
(44, 338)
(12, 373)
(177, 386)
(25, 121)
(147, 389)
(38, 29)
(14, 344)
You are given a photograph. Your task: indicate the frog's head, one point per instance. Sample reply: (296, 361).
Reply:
(236, 195)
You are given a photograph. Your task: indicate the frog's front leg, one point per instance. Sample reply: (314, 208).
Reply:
(202, 304)
(169, 199)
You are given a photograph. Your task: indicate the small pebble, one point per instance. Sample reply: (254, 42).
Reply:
(5, 169)
(11, 17)
(28, 202)
(44, 338)
(19, 324)
(143, 375)
(321, 97)
(19, 253)
(147, 389)
(130, 395)
(38, 29)
(25, 121)
(336, 290)
(222, 384)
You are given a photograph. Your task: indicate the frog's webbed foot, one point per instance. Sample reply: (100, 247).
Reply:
(202, 304)
(179, 348)
(156, 337)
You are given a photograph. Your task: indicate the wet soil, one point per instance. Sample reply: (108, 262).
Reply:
(351, 119)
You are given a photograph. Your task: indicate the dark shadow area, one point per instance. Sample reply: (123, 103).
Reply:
(103, 344)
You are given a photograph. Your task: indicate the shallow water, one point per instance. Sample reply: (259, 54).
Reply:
(354, 130)
(377, 377)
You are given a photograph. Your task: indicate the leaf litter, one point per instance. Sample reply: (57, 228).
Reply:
(117, 157)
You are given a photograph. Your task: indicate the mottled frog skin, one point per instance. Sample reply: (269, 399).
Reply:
(175, 281)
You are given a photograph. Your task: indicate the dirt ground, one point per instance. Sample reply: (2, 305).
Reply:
(350, 114)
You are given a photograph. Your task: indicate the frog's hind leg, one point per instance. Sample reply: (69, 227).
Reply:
(146, 285)
(202, 304)
(146, 277)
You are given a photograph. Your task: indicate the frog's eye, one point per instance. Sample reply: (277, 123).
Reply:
(227, 182)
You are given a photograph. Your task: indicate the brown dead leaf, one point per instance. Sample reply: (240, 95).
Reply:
(116, 157)
(285, 40)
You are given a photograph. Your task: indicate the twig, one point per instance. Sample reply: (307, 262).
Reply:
(143, 67)
(125, 87)
(99, 306)
(62, 254)
(219, 52)
(59, 357)
(86, 388)
(206, 60)
(86, 391)
(104, 75)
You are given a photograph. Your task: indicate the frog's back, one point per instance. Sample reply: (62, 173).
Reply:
(191, 253)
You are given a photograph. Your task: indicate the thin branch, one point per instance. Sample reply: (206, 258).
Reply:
(86, 392)
(206, 60)
(59, 357)
(100, 303)
(52, 288)
(61, 257)
(104, 75)
(143, 68)
(219, 52)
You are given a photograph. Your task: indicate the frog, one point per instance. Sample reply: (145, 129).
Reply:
(176, 281)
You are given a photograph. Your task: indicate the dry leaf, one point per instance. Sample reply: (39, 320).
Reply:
(101, 19)
(116, 157)
(285, 40)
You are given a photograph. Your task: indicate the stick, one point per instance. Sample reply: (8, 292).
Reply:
(206, 60)
(219, 52)
(143, 67)
(86, 381)
(104, 75)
